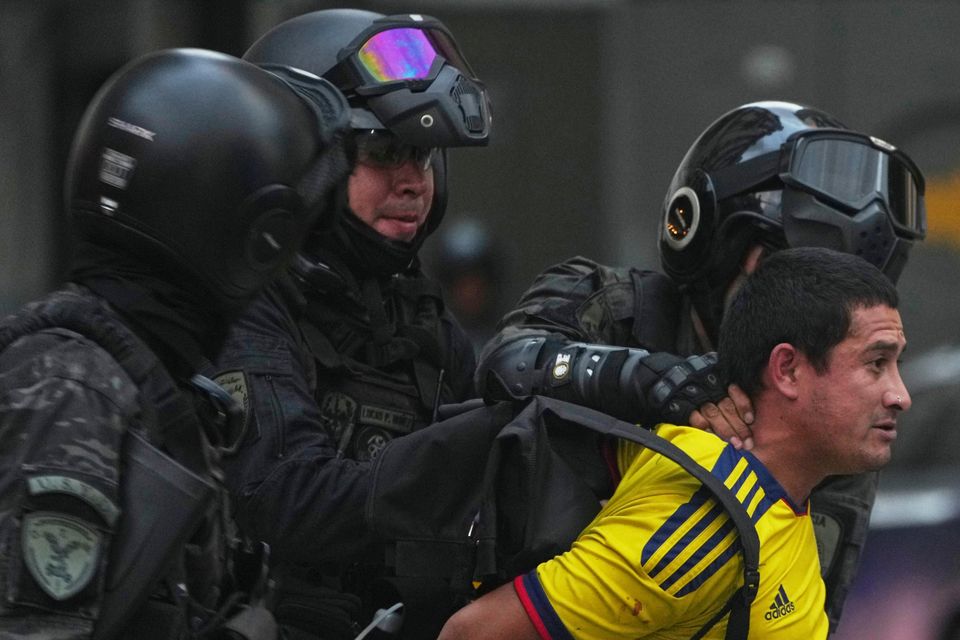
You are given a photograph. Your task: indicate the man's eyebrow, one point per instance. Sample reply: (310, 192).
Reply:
(885, 345)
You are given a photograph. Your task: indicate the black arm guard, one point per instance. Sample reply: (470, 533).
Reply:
(629, 384)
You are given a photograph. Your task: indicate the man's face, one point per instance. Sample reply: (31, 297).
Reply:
(853, 405)
(390, 189)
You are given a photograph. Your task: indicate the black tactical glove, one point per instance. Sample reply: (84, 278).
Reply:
(686, 385)
(627, 383)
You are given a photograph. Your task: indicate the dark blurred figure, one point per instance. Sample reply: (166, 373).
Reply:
(472, 265)
(951, 627)
(192, 180)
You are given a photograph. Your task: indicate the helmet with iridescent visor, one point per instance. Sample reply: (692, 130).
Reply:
(404, 73)
(411, 94)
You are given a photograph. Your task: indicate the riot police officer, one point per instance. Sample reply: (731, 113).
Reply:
(191, 181)
(760, 178)
(355, 348)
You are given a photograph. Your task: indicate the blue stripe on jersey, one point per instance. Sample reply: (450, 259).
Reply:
(697, 556)
(549, 618)
(711, 569)
(681, 515)
(762, 507)
(723, 468)
(771, 487)
(772, 490)
(727, 462)
(683, 542)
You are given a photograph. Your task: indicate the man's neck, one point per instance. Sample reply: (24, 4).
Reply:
(784, 454)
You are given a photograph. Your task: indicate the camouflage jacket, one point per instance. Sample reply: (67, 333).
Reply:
(70, 413)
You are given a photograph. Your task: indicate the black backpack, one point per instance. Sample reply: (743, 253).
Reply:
(474, 500)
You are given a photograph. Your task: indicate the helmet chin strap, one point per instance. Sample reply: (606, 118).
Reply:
(701, 330)
(751, 260)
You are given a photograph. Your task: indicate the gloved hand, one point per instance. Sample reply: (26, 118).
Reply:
(683, 387)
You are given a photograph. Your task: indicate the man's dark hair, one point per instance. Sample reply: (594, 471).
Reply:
(803, 296)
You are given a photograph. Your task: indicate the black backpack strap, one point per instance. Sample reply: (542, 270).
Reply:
(739, 604)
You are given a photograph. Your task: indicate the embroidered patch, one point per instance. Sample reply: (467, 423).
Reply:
(370, 442)
(235, 383)
(387, 418)
(339, 412)
(61, 553)
(828, 532)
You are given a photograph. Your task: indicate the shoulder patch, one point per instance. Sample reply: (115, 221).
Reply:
(829, 533)
(235, 383)
(61, 553)
(339, 413)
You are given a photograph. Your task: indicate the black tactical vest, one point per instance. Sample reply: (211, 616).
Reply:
(379, 359)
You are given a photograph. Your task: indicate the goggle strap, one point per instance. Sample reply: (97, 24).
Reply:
(341, 77)
(739, 178)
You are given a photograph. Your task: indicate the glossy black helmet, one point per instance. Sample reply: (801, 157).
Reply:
(785, 175)
(207, 167)
(402, 74)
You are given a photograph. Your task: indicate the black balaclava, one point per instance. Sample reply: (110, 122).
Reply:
(177, 322)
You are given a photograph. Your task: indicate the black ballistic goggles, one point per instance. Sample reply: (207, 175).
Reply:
(844, 169)
(383, 149)
(414, 79)
(407, 50)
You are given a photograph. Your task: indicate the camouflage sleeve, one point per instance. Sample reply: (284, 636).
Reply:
(577, 301)
(65, 405)
(554, 306)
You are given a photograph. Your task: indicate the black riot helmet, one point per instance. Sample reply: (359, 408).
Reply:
(206, 167)
(785, 175)
(403, 75)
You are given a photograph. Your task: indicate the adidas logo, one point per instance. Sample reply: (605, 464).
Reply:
(782, 606)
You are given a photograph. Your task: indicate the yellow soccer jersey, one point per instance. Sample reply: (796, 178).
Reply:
(662, 557)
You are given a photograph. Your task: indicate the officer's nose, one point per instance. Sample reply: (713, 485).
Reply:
(411, 176)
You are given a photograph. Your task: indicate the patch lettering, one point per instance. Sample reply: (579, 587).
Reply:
(386, 418)
(116, 168)
(39, 485)
(828, 531)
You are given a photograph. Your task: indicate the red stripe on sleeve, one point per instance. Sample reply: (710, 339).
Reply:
(529, 607)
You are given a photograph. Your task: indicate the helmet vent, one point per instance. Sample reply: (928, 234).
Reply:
(682, 218)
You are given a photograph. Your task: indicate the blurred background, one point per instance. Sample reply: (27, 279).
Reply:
(595, 103)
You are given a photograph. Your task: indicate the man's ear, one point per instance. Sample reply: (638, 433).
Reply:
(783, 368)
(752, 258)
